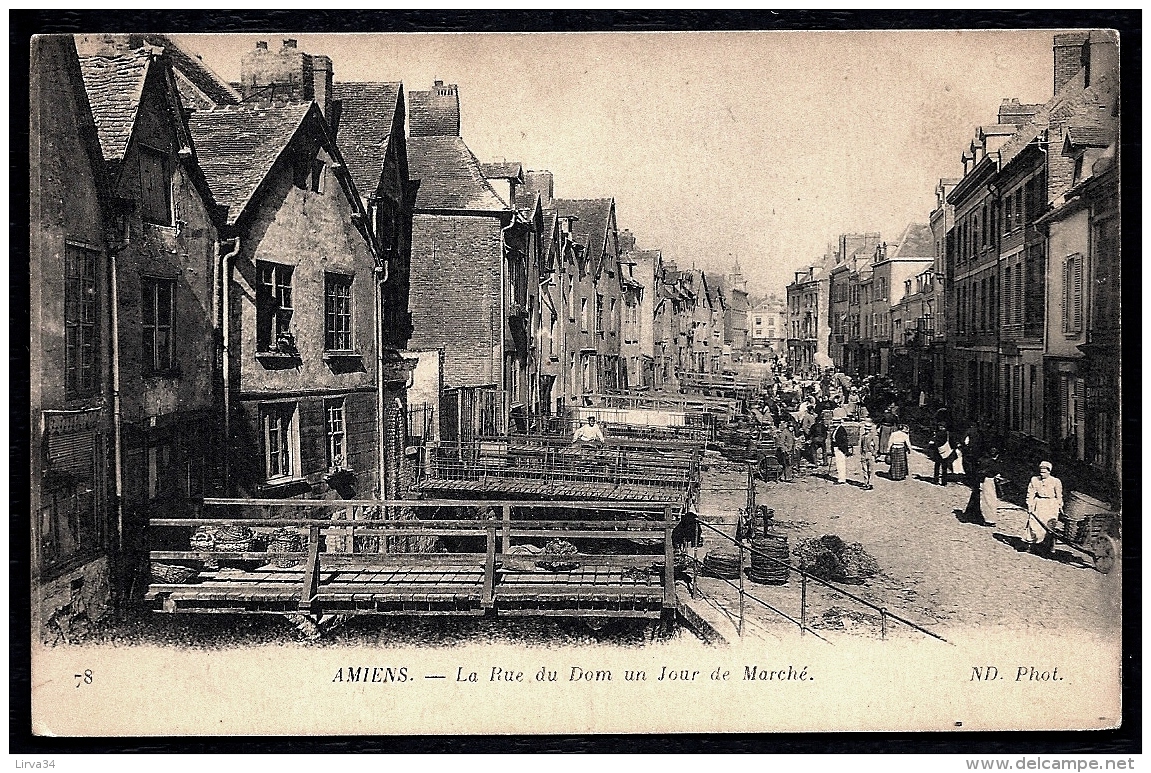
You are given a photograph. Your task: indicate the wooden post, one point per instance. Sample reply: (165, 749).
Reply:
(311, 571)
(883, 622)
(668, 561)
(802, 601)
(741, 599)
(506, 540)
(487, 601)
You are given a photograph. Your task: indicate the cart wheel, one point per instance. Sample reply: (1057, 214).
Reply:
(1106, 553)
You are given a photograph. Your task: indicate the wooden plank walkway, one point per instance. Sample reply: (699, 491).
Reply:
(592, 589)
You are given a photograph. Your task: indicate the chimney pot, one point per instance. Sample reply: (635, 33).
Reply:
(439, 83)
(261, 45)
(290, 43)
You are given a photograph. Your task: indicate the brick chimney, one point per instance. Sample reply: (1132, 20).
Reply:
(322, 83)
(542, 183)
(1071, 53)
(1013, 113)
(286, 74)
(626, 241)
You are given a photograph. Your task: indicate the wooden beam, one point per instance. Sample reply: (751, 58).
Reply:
(311, 584)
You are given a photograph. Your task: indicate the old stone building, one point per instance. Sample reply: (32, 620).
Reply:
(299, 304)
(74, 516)
(807, 336)
(848, 264)
(593, 279)
(469, 276)
(767, 329)
(166, 222)
(1083, 324)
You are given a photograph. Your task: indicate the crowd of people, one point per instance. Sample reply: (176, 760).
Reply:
(812, 420)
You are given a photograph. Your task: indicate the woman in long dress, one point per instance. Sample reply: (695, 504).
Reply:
(988, 494)
(886, 428)
(1044, 504)
(897, 453)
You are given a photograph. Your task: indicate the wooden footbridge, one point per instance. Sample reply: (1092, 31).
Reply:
(347, 562)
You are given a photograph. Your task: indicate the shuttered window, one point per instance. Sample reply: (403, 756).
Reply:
(1073, 293)
(68, 519)
(155, 187)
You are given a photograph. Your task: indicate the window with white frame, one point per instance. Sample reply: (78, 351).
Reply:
(274, 308)
(279, 422)
(337, 433)
(337, 313)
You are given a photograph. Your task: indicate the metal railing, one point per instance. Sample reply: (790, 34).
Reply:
(805, 577)
(358, 530)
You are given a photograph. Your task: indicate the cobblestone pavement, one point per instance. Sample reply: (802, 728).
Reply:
(935, 570)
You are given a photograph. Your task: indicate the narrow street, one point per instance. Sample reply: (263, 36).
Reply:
(949, 576)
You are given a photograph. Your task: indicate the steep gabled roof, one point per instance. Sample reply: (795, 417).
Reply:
(917, 242)
(189, 65)
(238, 146)
(367, 113)
(115, 85)
(450, 176)
(504, 170)
(1088, 136)
(590, 229)
(1070, 99)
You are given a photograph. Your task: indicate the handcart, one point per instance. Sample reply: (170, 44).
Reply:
(1096, 534)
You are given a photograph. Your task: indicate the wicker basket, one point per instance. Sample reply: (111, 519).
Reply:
(171, 574)
(234, 539)
(286, 540)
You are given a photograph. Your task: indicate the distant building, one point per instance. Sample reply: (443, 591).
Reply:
(767, 331)
(807, 339)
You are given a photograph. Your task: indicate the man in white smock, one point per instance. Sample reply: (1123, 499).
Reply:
(588, 433)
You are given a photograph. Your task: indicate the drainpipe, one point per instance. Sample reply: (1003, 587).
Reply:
(381, 468)
(506, 411)
(117, 423)
(226, 365)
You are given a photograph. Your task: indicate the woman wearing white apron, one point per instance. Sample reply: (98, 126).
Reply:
(1044, 504)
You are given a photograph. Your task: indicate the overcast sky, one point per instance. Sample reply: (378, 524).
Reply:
(764, 146)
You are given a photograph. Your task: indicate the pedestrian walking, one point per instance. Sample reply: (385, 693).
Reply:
(816, 440)
(868, 448)
(897, 453)
(886, 427)
(784, 448)
(989, 467)
(1044, 505)
(841, 447)
(943, 454)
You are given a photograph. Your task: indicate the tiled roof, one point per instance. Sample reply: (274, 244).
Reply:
(432, 114)
(1070, 98)
(512, 170)
(917, 242)
(114, 85)
(193, 68)
(997, 129)
(1092, 136)
(366, 115)
(526, 199)
(591, 225)
(450, 176)
(237, 147)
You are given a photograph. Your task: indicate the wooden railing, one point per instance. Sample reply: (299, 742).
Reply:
(637, 521)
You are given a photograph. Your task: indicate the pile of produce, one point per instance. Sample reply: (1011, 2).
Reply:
(830, 558)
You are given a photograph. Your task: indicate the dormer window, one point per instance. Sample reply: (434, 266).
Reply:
(1077, 175)
(155, 186)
